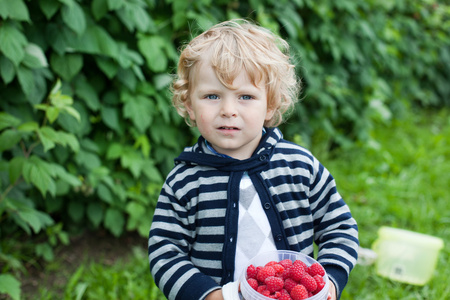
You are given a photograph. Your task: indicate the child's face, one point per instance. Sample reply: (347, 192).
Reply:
(230, 120)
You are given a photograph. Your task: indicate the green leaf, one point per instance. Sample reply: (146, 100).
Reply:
(85, 91)
(115, 4)
(98, 175)
(48, 137)
(135, 210)
(110, 116)
(8, 139)
(15, 168)
(28, 127)
(73, 17)
(45, 251)
(12, 42)
(49, 7)
(96, 40)
(105, 194)
(137, 213)
(26, 80)
(114, 151)
(88, 159)
(7, 120)
(61, 173)
(34, 57)
(162, 81)
(140, 110)
(133, 15)
(76, 210)
(10, 285)
(52, 114)
(68, 139)
(36, 219)
(70, 124)
(144, 143)
(108, 66)
(152, 172)
(132, 160)
(95, 213)
(152, 47)
(66, 66)
(127, 78)
(72, 111)
(99, 9)
(114, 221)
(7, 70)
(16, 10)
(60, 100)
(36, 172)
(60, 38)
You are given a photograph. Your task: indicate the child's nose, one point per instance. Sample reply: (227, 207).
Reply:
(229, 108)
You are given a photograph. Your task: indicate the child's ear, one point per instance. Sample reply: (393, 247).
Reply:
(269, 114)
(189, 109)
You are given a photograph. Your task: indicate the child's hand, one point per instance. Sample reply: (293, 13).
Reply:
(215, 295)
(332, 293)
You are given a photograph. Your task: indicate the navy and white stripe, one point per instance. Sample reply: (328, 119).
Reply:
(193, 235)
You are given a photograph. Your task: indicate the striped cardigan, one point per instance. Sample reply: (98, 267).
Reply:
(192, 239)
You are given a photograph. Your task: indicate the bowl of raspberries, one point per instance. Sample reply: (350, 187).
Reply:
(284, 275)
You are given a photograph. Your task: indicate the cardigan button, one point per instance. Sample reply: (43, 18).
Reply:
(279, 237)
(267, 205)
(263, 157)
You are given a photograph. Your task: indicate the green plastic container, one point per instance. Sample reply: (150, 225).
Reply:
(406, 256)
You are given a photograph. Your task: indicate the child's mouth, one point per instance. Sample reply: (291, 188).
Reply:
(228, 128)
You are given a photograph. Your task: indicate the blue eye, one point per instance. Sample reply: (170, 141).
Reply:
(212, 97)
(246, 97)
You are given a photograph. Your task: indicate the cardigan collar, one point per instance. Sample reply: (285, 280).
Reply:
(199, 154)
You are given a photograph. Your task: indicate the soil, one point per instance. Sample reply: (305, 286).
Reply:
(99, 247)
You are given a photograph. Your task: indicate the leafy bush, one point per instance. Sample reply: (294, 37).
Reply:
(87, 132)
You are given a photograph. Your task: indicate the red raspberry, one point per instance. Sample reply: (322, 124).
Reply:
(320, 283)
(309, 282)
(270, 263)
(286, 263)
(297, 271)
(276, 295)
(286, 273)
(299, 292)
(289, 284)
(264, 273)
(299, 262)
(251, 271)
(285, 297)
(261, 288)
(274, 284)
(316, 269)
(253, 283)
(279, 270)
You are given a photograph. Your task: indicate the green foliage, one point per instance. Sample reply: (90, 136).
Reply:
(87, 132)
(401, 181)
(128, 279)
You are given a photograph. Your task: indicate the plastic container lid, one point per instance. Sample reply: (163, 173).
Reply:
(410, 237)
(406, 256)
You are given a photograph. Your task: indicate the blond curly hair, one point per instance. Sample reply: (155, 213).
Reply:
(231, 47)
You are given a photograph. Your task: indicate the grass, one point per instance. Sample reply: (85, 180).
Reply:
(400, 179)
